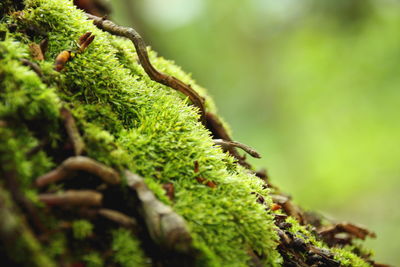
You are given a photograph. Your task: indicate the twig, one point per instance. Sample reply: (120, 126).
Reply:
(218, 131)
(35, 67)
(118, 217)
(346, 227)
(229, 144)
(165, 226)
(288, 207)
(216, 127)
(154, 74)
(72, 198)
(72, 131)
(79, 163)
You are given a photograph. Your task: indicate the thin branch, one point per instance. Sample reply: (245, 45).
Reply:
(72, 198)
(229, 144)
(79, 163)
(118, 217)
(165, 226)
(154, 74)
(72, 131)
(288, 207)
(35, 67)
(219, 131)
(351, 229)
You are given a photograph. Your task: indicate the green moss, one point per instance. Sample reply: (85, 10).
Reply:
(57, 246)
(25, 249)
(129, 121)
(303, 233)
(93, 260)
(344, 255)
(127, 251)
(348, 259)
(82, 229)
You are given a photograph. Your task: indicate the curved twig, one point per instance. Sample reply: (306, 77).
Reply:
(218, 131)
(225, 143)
(79, 163)
(118, 217)
(72, 198)
(72, 131)
(165, 226)
(154, 74)
(35, 67)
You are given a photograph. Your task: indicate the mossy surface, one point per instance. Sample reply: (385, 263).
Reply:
(128, 122)
(343, 255)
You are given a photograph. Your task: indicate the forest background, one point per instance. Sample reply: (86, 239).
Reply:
(313, 85)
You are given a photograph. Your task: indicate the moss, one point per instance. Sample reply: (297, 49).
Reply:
(345, 255)
(128, 121)
(93, 260)
(127, 251)
(348, 259)
(57, 246)
(82, 229)
(25, 249)
(303, 233)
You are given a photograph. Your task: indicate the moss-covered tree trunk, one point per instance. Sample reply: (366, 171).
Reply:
(100, 165)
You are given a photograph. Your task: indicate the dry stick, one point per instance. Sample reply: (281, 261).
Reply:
(72, 131)
(219, 132)
(353, 230)
(118, 217)
(35, 67)
(288, 206)
(229, 144)
(79, 163)
(166, 227)
(72, 198)
(154, 74)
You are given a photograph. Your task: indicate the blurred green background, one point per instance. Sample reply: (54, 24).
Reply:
(313, 85)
